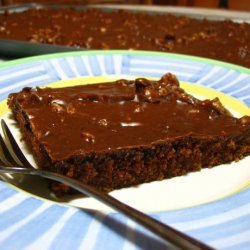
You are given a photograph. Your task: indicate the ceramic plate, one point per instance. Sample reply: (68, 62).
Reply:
(211, 205)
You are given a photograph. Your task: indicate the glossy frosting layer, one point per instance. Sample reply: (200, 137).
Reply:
(96, 29)
(108, 116)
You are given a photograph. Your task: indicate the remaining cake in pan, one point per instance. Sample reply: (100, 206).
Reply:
(119, 134)
(97, 29)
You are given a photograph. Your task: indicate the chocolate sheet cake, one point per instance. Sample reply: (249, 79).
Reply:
(96, 29)
(119, 134)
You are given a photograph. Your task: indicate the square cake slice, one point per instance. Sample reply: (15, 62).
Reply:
(124, 133)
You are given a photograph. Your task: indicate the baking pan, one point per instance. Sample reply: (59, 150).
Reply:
(16, 49)
(199, 13)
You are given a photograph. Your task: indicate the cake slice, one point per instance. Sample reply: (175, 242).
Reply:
(124, 133)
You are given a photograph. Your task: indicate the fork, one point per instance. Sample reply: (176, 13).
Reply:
(9, 164)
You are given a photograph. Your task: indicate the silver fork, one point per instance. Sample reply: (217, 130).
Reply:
(9, 164)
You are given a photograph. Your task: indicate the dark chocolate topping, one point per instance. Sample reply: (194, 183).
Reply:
(102, 117)
(96, 29)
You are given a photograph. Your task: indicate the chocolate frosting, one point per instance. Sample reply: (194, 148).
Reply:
(103, 117)
(96, 29)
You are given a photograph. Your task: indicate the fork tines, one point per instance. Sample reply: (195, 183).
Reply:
(11, 152)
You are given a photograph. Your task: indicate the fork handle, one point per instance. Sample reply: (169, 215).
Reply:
(158, 228)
